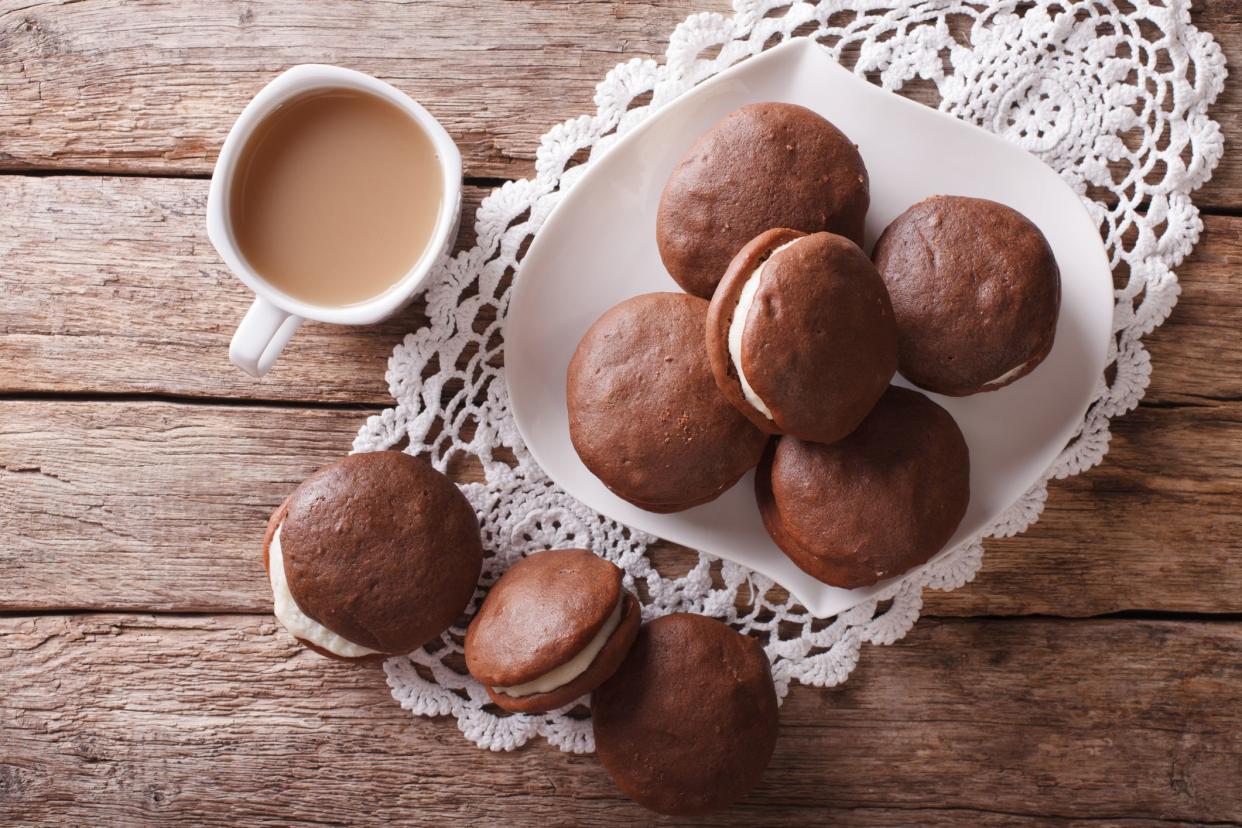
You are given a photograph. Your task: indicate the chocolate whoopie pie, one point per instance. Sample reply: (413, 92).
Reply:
(801, 334)
(764, 165)
(645, 415)
(976, 291)
(688, 723)
(554, 627)
(373, 555)
(881, 501)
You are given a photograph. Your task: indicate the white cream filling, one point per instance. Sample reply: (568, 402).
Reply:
(290, 615)
(576, 666)
(737, 326)
(1005, 377)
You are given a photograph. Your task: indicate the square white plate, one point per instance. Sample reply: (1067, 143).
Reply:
(598, 247)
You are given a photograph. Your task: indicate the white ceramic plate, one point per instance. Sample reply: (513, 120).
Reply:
(598, 248)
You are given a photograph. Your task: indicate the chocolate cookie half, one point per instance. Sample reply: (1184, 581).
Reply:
(878, 503)
(801, 334)
(976, 291)
(373, 555)
(552, 629)
(688, 723)
(764, 165)
(645, 415)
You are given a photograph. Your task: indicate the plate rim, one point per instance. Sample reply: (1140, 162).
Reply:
(799, 49)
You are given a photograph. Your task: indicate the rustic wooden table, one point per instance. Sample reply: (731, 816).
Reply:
(1092, 673)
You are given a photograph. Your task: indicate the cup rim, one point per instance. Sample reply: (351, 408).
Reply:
(295, 81)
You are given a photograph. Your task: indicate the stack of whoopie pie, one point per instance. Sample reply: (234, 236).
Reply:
(683, 708)
(781, 352)
(778, 356)
(377, 554)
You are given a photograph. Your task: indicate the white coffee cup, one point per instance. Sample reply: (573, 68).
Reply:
(274, 315)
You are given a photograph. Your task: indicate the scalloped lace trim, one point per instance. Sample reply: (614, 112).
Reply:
(1081, 84)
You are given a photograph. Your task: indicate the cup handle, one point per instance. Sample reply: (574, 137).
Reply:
(261, 336)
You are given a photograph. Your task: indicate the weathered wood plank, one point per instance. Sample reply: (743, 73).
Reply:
(150, 505)
(153, 87)
(119, 719)
(1197, 353)
(1223, 20)
(1155, 527)
(110, 285)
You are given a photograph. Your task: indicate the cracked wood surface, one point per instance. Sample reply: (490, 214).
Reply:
(152, 87)
(150, 505)
(137, 468)
(112, 719)
(111, 286)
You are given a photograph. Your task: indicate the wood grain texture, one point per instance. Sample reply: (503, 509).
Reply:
(1222, 19)
(152, 87)
(161, 506)
(1155, 527)
(111, 286)
(1196, 355)
(135, 503)
(112, 719)
(150, 504)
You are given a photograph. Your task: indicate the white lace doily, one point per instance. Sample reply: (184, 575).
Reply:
(1113, 95)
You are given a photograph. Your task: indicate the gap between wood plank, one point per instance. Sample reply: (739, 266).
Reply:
(1208, 401)
(86, 172)
(1041, 815)
(475, 181)
(1167, 616)
(179, 399)
(340, 405)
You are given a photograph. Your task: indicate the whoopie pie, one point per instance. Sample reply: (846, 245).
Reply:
(976, 291)
(764, 165)
(373, 555)
(881, 501)
(801, 335)
(688, 723)
(554, 627)
(645, 415)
